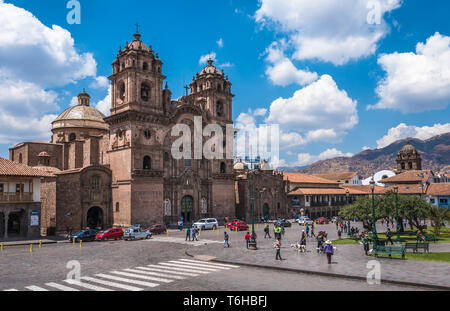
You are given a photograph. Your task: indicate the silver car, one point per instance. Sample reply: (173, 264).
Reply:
(303, 221)
(207, 223)
(136, 234)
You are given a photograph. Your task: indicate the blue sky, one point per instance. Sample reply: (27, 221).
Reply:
(315, 67)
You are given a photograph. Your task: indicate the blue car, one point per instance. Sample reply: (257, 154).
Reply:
(84, 235)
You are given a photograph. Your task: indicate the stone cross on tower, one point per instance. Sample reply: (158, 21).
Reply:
(137, 27)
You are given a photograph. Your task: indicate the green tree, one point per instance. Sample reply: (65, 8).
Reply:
(413, 208)
(438, 216)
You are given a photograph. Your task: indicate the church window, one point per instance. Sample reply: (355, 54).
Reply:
(403, 165)
(72, 137)
(219, 87)
(95, 183)
(166, 156)
(117, 207)
(219, 109)
(147, 134)
(20, 158)
(147, 165)
(187, 162)
(410, 165)
(145, 92)
(145, 66)
(1, 188)
(122, 91)
(223, 168)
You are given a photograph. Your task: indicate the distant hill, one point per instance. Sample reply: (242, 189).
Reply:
(435, 153)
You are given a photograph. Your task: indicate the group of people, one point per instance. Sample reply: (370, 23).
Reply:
(194, 232)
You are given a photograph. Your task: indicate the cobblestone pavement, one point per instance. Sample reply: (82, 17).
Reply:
(348, 260)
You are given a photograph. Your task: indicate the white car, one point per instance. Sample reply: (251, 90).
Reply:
(303, 221)
(207, 223)
(136, 234)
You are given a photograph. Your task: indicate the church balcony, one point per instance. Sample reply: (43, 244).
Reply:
(148, 173)
(13, 197)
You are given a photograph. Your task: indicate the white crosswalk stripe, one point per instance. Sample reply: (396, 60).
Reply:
(155, 274)
(112, 284)
(36, 288)
(125, 280)
(88, 286)
(150, 276)
(210, 263)
(11, 290)
(62, 287)
(133, 275)
(183, 241)
(167, 271)
(176, 268)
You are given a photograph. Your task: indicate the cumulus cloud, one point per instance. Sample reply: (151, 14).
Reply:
(403, 131)
(416, 82)
(220, 43)
(204, 58)
(321, 109)
(328, 30)
(104, 106)
(281, 71)
(100, 82)
(306, 158)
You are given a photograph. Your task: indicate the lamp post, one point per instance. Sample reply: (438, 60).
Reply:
(252, 242)
(374, 224)
(396, 214)
(347, 194)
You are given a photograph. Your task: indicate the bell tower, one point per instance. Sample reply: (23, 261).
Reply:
(137, 79)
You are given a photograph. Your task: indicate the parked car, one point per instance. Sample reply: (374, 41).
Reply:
(228, 224)
(321, 221)
(136, 233)
(157, 229)
(303, 221)
(284, 223)
(84, 235)
(110, 234)
(240, 225)
(207, 223)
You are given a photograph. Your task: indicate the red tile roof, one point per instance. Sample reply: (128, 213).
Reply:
(439, 189)
(307, 179)
(10, 168)
(348, 175)
(408, 189)
(409, 176)
(325, 191)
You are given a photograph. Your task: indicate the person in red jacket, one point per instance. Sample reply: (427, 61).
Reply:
(247, 238)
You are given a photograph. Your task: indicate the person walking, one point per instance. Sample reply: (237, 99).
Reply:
(389, 235)
(307, 231)
(247, 238)
(188, 233)
(267, 231)
(312, 232)
(319, 241)
(225, 239)
(195, 234)
(329, 250)
(282, 229)
(278, 248)
(365, 241)
(303, 239)
(339, 233)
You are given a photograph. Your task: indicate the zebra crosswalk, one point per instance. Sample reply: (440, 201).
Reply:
(135, 279)
(200, 242)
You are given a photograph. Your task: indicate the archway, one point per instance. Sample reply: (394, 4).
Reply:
(187, 208)
(15, 222)
(265, 210)
(95, 218)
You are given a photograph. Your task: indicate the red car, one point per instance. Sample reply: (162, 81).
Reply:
(157, 229)
(321, 221)
(110, 234)
(240, 225)
(228, 224)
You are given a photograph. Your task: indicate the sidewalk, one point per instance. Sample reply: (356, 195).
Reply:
(44, 240)
(349, 261)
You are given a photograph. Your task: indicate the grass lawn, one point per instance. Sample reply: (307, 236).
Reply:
(443, 257)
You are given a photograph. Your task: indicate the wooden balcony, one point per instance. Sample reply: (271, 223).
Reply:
(13, 197)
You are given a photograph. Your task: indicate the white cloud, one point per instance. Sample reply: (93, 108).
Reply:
(220, 43)
(260, 112)
(74, 101)
(416, 82)
(33, 52)
(365, 148)
(403, 131)
(304, 159)
(204, 58)
(281, 71)
(319, 108)
(225, 65)
(104, 106)
(328, 30)
(100, 82)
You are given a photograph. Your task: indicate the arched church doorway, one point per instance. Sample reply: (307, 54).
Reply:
(187, 208)
(95, 218)
(265, 210)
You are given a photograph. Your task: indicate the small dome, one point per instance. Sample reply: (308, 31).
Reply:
(239, 166)
(210, 69)
(137, 44)
(408, 149)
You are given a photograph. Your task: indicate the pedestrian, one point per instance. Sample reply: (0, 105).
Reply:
(329, 250)
(225, 239)
(307, 231)
(312, 232)
(365, 242)
(339, 233)
(188, 233)
(195, 234)
(282, 230)
(303, 239)
(247, 238)
(267, 231)
(319, 241)
(67, 233)
(389, 236)
(345, 227)
(278, 248)
(337, 225)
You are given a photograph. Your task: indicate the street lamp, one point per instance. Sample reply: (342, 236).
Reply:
(252, 243)
(374, 227)
(347, 195)
(396, 214)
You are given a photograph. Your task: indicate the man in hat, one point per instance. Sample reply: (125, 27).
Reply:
(278, 247)
(267, 231)
(328, 250)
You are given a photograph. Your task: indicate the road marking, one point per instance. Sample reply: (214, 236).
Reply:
(167, 271)
(36, 288)
(116, 278)
(142, 276)
(201, 265)
(112, 284)
(155, 274)
(183, 267)
(210, 263)
(88, 286)
(194, 266)
(11, 290)
(175, 267)
(62, 287)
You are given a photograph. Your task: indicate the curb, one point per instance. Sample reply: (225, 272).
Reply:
(327, 274)
(27, 244)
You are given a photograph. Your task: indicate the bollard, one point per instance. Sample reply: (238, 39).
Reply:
(81, 243)
(40, 243)
(31, 248)
(167, 232)
(73, 241)
(1, 247)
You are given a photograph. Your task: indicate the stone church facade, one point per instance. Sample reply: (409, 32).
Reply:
(119, 170)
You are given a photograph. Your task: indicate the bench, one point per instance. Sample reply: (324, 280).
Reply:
(416, 246)
(428, 237)
(390, 250)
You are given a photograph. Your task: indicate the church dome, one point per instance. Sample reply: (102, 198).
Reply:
(81, 115)
(239, 166)
(137, 44)
(408, 149)
(210, 69)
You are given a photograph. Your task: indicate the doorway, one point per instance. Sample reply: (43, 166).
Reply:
(95, 218)
(187, 208)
